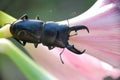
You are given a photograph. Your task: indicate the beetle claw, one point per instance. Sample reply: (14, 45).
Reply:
(76, 28)
(73, 49)
(84, 27)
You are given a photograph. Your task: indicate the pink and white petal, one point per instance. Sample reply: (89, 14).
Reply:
(103, 41)
(50, 62)
(91, 67)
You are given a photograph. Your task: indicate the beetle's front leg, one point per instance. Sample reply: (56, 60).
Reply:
(73, 49)
(24, 17)
(22, 43)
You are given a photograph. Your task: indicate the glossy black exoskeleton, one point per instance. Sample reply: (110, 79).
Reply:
(50, 34)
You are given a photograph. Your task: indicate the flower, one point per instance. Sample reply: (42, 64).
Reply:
(102, 57)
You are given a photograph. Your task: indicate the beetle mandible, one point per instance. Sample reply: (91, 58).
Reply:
(50, 34)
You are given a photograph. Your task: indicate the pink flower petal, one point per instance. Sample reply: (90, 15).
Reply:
(103, 41)
(102, 44)
(91, 67)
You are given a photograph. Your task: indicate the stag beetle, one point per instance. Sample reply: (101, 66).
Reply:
(50, 34)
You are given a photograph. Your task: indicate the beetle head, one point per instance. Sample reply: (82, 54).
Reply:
(27, 30)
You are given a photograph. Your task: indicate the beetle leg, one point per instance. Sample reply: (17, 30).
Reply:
(50, 47)
(61, 56)
(35, 44)
(24, 17)
(73, 49)
(76, 28)
(24, 43)
(37, 18)
(20, 42)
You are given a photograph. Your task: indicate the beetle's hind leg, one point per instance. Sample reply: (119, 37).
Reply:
(73, 49)
(76, 28)
(61, 56)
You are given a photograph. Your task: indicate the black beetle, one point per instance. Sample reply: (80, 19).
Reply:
(50, 34)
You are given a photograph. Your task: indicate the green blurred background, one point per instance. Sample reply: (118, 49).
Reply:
(47, 9)
(55, 10)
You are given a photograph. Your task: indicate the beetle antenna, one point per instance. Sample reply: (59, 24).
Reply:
(61, 56)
